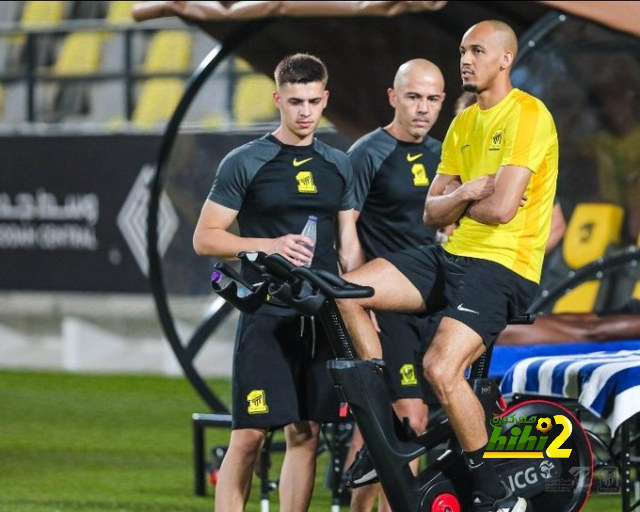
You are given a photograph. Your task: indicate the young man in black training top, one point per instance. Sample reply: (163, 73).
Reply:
(271, 186)
(393, 168)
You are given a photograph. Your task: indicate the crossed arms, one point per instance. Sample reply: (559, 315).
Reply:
(490, 199)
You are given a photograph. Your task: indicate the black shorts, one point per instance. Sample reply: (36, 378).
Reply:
(280, 373)
(404, 340)
(481, 294)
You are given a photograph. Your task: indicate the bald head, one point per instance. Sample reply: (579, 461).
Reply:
(416, 69)
(417, 95)
(487, 53)
(498, 33)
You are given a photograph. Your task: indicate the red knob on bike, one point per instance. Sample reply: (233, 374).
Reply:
(445, 503)
(213, 477)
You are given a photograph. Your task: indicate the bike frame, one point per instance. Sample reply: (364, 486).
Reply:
(445, 484)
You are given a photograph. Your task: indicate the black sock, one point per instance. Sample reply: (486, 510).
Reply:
(485, 478)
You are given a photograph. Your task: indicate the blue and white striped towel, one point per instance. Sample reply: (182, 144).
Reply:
(606, 383)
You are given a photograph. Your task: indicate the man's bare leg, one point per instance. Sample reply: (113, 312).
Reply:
(452, 350)
(454, 347)
(234, 479)
(393, 292)
(299, 467)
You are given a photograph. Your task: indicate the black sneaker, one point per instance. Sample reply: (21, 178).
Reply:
(361, 472)
(508, 503)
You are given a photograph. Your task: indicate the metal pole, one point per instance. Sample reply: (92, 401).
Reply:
(31, 82)
(128, 70)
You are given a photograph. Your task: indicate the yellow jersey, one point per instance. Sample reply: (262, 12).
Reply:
(518, 131)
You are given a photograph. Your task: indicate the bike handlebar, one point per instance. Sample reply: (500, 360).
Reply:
(333, 285)
(329, 284)
(301, 288)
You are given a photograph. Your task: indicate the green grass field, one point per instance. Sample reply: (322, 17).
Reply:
(87, 443)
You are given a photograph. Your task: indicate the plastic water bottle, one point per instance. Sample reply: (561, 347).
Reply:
(220, 282)
(311, 231)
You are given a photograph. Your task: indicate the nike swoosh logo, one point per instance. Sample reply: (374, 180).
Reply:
(467, 310)
(465, 147)
(297, 163)
(412, 158)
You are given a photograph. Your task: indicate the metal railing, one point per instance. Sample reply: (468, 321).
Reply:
(27, 56)
(28, 70)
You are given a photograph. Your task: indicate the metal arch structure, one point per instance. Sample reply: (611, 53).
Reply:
(539, 30)
(186, 352)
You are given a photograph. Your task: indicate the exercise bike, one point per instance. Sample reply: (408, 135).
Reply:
(554, 475)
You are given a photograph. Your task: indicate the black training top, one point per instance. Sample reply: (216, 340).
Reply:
(392, 179)
(275, 187)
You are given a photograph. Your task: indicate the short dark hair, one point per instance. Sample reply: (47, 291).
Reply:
(301, 68)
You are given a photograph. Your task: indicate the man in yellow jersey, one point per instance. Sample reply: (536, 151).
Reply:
(497, 179)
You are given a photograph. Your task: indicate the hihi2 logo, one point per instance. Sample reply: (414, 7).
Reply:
(529, 438)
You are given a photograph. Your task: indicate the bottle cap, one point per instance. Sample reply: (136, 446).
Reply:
(216, 276)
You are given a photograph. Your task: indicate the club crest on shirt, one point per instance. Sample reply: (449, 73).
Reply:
(496, 140)
(420, 178)
(257, 402)
(408, 375)
(305, 183)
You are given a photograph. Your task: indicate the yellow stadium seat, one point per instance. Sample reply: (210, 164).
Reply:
(169, 51)
(158, 99)
(38, 14)
(252, 97)
(242, 66)
(212, 122)
(80, 54)
(253, 101)
(119, 13)
(591, 232)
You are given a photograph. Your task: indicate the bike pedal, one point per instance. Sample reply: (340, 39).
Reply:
(361, 472)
